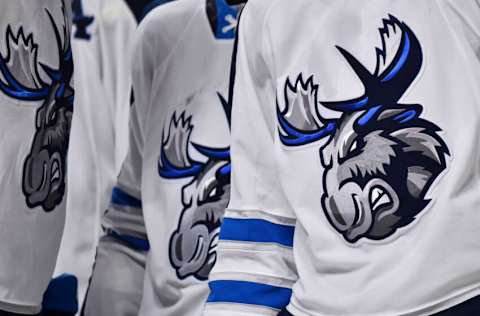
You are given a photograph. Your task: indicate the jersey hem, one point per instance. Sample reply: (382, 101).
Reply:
(426, 310)
(223, 308)
(20, 308)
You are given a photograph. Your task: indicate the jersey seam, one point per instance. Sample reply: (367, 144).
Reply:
(169, 56)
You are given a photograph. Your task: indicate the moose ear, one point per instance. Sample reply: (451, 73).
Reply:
(417, 179)
(421, 141)
(401, 113)
(390, 114)
(428, 156)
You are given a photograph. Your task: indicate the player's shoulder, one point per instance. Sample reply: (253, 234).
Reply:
(114, 12)
(171, 15)
(162, 27)
(263, 5)
(259, 9)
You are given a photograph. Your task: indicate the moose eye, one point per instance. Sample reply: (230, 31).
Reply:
(212, 193)
(353, 146)
(209, 191)
(349, 149)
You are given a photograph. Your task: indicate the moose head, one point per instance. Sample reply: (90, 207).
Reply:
(45, 166)
(204, 199)
(379, 158)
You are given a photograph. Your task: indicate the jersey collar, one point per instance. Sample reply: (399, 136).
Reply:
(222, 18)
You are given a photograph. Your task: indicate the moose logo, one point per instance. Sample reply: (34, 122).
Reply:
(204, 199)
(380, 158)
(44, 168)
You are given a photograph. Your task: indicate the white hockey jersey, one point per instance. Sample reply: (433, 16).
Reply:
(36, 98)
(355, 155)
(102, 38)
(178, 167)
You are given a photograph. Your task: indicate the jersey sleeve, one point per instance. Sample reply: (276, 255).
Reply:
(124, 218)
(151, 49)
(117, 26)
(255, 270)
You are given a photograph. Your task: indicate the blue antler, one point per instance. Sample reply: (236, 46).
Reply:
(175, 161)
(383, 89)
(300, 122)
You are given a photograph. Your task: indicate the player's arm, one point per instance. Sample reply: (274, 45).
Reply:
(126, 195)
(255, 269)
(116, 283)
(151, 48)
(122, 251)
(124, 218)
(116, 31)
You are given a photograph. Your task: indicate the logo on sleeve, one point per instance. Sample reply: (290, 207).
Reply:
(381, 157)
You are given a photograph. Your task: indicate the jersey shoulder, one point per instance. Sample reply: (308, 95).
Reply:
(115, 12)
(172, 16)
(163, 27)
(259, 9)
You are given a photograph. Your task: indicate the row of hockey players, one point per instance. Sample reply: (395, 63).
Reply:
(41, 44)
(102, 42)
(383, 190)
(342, 142)
(162, 226)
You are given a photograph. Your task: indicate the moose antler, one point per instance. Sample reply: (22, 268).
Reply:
(390, 80)
(64, 51)
(175, 161)
(19, 68)
(301, 123)
(24, 81)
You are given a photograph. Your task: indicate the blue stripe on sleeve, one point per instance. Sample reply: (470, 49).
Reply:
(256, 230)
(133, 242)
(243, 292)
(124, 199)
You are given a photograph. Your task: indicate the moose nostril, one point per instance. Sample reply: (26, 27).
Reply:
(335, 212)
(178, 247)
(36, 173)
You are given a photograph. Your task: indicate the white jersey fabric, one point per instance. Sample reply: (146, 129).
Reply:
(36, 98)
(177, 170)
(102, 38)
(355, 156)
(116, 283)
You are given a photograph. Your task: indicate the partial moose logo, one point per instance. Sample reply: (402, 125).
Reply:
(204, 199)
(380, 158)
(44, 168)
(81, 21)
